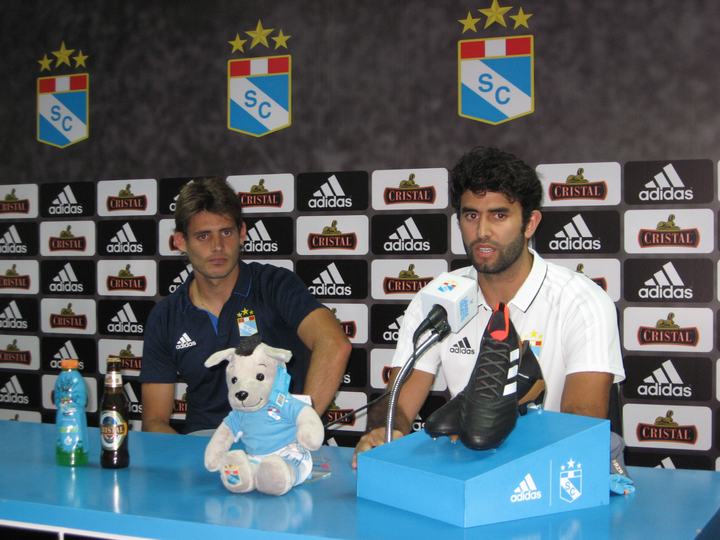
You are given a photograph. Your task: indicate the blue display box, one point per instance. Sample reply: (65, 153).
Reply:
(551, 462)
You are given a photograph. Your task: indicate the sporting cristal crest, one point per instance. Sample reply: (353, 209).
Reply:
(495, 74)
(259, 88)
(63, 110)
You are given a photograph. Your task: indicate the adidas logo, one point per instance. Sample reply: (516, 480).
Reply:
(13, 393)
(66, 281)
(526, 491)
(66, 351)
(134, 404)
(330, 283)
(259, 241)
(180, 278)
(462, 347)
(10, 242)
(330, 195)
(666, 283)
(65, 203)
(393, 330)
(184, 342)
(666, 463)
(125, 322)
(574, 236)
(124, 241)
(665, 381)
(666, 186)
(12, 318)
(407, 237)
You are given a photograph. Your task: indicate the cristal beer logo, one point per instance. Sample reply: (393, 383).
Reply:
(666, 284)
(666, 429)
(11, 279)
(575, 235)
(261, 196)
(349, 327)
(125, 280)
(126, 200)
(11, 318)
(11, 204)
(336, 415)
(668, 233)
(664, 381)
(67, 241)
(666, 186)
(11, 243)
(600, 281)
(330, 195)
(65, 203)
(667, 331)
(408, 191)
(12, 354)
(66, 281)
(407, 237)
(332, 238)
(259, 240)
(68, 319)
(180, 404)
(407, 281)
(128, 359)
(577, 187)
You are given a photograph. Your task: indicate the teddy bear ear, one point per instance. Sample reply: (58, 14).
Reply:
(280, 355)
(220, 356)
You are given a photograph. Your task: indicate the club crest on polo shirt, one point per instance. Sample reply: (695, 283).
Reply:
(247, 324)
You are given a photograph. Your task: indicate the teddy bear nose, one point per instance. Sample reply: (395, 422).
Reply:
(241, 395)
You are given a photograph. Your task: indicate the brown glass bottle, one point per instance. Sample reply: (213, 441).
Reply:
(114, 419)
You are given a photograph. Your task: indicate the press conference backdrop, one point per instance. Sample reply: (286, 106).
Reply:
(336, 123)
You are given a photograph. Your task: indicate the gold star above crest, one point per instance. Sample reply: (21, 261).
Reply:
(521, 19)
(80, 59)
(281, 40)
(259, 35)
(63, 55)
(44, 63)
(237, 44)
(495, 14)
(469, 23)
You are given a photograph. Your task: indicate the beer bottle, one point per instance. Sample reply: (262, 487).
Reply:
(114, 419)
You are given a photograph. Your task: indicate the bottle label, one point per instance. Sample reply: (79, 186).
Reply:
(114, 429)
(113, 379)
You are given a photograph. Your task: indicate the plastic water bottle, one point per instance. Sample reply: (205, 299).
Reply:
(70, 421)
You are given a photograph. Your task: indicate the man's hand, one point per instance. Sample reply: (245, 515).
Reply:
(370, 440)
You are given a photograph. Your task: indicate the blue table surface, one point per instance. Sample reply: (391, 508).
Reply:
(167, 493)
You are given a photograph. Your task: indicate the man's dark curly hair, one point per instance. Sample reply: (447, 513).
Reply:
(489, 169)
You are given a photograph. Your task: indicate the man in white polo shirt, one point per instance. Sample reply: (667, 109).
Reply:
(568, 321)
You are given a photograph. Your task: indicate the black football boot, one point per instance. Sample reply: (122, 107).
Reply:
(446, 419)
(489, 405)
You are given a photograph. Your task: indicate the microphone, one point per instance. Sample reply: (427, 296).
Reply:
(450, 298)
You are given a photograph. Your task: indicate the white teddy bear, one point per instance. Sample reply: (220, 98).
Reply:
(277, 429)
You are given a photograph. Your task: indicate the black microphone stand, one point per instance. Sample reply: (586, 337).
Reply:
(438, 331)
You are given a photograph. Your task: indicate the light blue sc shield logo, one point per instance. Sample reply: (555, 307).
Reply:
(495, 78)
(63, 109)
(259, 95)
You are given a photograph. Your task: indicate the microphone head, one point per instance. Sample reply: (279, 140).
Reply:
(458, 295)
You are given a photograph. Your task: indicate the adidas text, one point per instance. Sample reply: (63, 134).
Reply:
(526, 496)
(258, 246)
(66, 287)
(13, 323)
(461, 350)
(667, 194)
(13, 248)
(664, 390)
(64, 209)
(55, 364)
(330, 289)
(391, 335)
(406, 245)
(574, 243)
(125, 327)
(125, 248)
(658, 292)
(331, 202)
(14, 398)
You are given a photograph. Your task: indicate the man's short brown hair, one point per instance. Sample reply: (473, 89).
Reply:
(211, 194)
